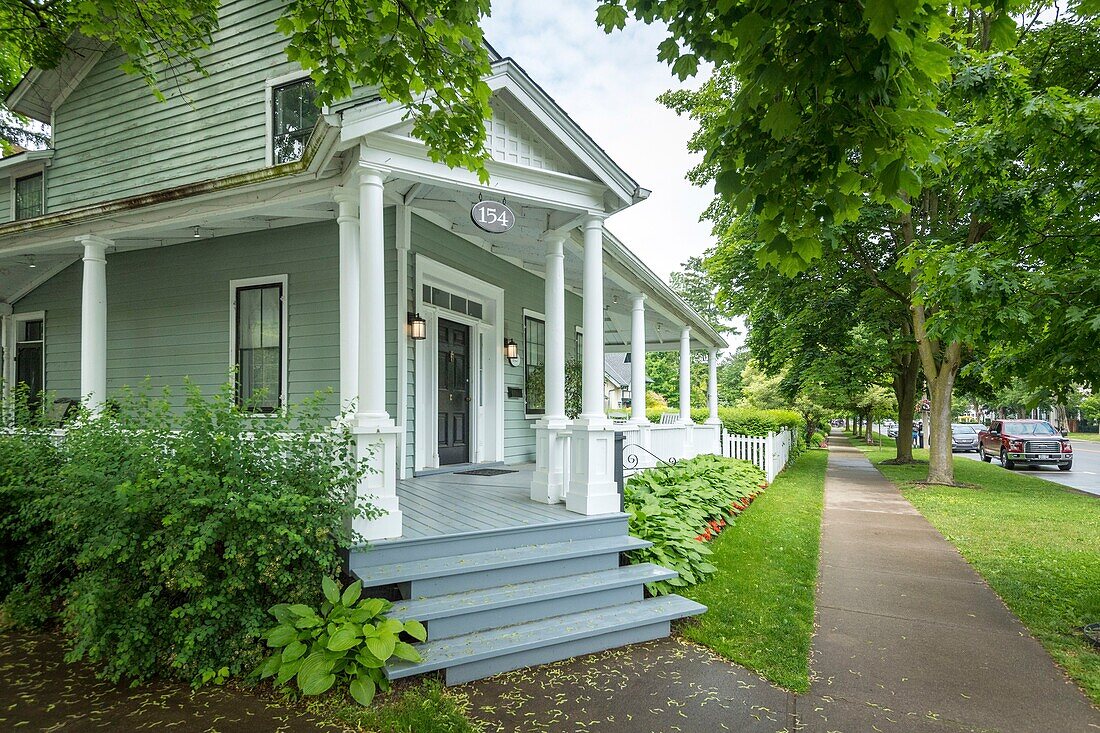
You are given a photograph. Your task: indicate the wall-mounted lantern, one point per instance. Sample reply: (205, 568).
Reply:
(418, 327)
(511, 351)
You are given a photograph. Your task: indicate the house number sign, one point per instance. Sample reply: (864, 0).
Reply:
(492, 216)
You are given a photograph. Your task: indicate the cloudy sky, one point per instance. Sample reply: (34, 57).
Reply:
(609, 85)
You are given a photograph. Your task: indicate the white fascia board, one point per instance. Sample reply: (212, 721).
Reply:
(407, 158)
(31, 159)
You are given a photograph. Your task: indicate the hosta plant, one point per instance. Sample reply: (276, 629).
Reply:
(679, 507)
(347, 641)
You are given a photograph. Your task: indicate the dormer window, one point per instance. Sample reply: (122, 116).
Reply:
(293, 115)
(28, 196)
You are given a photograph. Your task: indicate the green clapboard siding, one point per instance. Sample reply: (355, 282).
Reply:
(5, 199)
(522, 289)
(114, 139)
(168, 312)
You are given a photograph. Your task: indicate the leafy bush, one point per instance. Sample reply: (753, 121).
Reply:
(170, 537)
(744, 420)
(348, 640)
(678, 508)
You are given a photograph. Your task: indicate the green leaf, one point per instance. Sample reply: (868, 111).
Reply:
(382, 647)
(351, 594)
(1003, 32)
(611, 16)
(408, 652)
(780, 120)
(880, 16)
(362, 690)
(416, 630)
(315, 675)
(345, 638)
(293, 651)
(286, 671)
(331, 589)
(281, 635)
(270, 666)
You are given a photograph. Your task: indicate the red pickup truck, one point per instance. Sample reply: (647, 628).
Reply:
(1025, 443)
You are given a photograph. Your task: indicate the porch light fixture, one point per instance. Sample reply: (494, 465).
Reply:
(418, 327)
(511, 351)
(195, 234)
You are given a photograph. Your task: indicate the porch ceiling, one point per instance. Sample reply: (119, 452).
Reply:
(524, 247)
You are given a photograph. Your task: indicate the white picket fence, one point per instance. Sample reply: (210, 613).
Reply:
(770, 453)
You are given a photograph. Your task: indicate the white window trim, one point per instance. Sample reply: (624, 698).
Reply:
(8, 368)
(487, 422)
(269, 109)
(249, 282)
(31, 170)
(528, 313)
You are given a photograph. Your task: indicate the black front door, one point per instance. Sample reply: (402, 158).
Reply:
(454, 393)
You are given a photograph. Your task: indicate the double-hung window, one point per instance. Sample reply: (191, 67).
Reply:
(293, 116)
(259, 343)
(534, 364)
(28, 196)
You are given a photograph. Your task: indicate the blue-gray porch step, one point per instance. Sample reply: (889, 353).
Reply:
(455, 614)
(439, 576)
(385, 552)
(485, 653)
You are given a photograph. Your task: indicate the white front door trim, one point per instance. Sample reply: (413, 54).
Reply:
(487, 379)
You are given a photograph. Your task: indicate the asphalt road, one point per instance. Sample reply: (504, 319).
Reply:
(1085, 475)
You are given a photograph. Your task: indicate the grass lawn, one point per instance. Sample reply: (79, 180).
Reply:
(415, 707)
(1035, 543)
(761, 600)
(1091, 437)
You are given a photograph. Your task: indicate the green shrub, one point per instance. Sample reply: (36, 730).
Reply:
(347, 641)
(743, 420)
(679, 507)
(170, 536)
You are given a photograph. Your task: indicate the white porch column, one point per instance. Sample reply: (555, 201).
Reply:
(637, 360)
(712, 388)
(685, 375)
(592, 366)
(348, 219)
(375, 431)
(592, 488)
(549, 481)
(93, 322)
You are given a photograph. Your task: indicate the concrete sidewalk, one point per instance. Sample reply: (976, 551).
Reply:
(909, 636)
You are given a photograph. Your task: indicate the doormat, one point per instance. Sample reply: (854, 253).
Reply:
(485, 472)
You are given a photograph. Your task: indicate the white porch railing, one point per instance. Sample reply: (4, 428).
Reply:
(647, 446)
(770, 453)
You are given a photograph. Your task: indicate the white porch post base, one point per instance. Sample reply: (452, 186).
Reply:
(592, 488)
(377, 445)
(548, 484)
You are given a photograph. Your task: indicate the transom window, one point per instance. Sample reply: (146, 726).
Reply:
(28, 196)
(294, 114)
(534, 364)
(258, 349)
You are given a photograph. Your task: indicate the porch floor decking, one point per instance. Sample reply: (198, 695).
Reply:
(452, 503)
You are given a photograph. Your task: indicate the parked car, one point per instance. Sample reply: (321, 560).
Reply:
(1025, 443)
(964, 438)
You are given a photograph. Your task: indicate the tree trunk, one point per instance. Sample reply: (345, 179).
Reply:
(906, 371)
(870, 429)
(940, 365)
